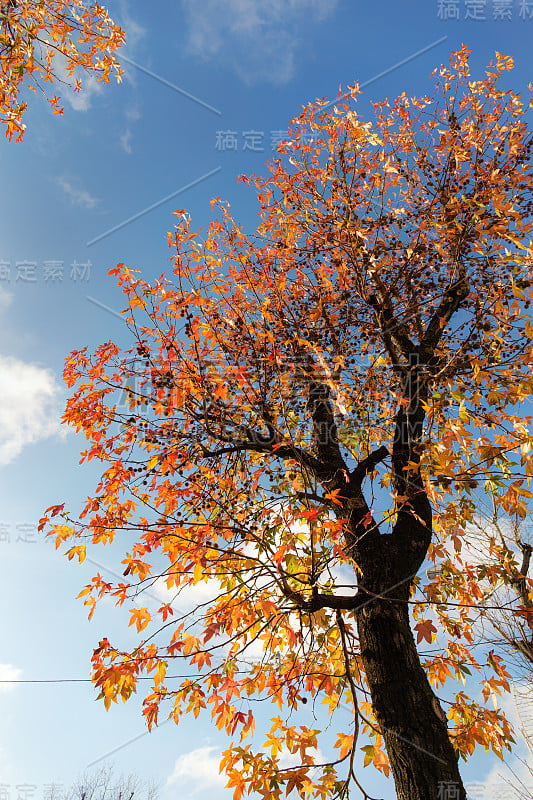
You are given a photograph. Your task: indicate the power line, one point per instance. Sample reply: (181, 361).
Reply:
(177, 677)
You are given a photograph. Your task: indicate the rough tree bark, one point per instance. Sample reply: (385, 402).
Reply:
(409, 714)
(410, 717)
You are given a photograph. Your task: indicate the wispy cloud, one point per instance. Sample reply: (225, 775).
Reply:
(133, 29)
(5, 298)
(125, 141)
(79, 101)
(78, 196)
(30, 406)
(259, 40)
(135, 33)
(132, 114)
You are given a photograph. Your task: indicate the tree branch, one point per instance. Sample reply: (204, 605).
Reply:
(450, 303)
(368, 464)
(277, 449)
(325, 434)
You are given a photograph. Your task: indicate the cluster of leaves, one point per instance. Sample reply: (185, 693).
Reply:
(48, 40)
(390, 279)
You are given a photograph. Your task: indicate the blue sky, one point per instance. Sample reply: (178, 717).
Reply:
(208, 85)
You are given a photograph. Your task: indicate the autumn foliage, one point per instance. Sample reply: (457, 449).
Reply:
(299, 432)
(51, 41)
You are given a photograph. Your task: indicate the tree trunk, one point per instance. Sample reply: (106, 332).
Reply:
(423, 761)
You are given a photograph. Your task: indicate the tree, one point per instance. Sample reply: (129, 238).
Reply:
(299, 427)
(498, 551)
(103, 784)
(43, 40)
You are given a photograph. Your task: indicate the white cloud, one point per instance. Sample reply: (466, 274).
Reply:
(30, 406)
(134, 31)
(510, 779)
(200, 766)
(77, 195)
(125, 141)
(287, 759)
(134, 34)
(90, 86)
(79, 101)
(133, 114)
(259, 40)
(8, 673)
(5, 298)
(516, 774)
(188, 597)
